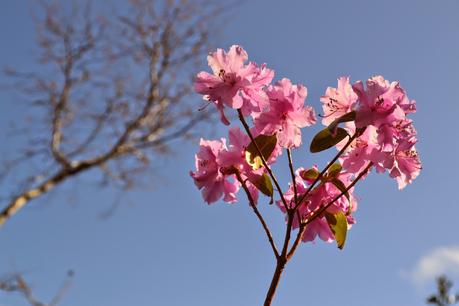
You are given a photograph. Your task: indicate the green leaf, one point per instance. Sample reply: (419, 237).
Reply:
(263, 183)
(344, 118)
(310, 174)
(266, 144)
(326, 139)
(340, 185)
(338, 225)
(334, 170)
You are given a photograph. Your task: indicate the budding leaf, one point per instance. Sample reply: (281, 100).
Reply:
(263, 183)
(340, 185)
(326, 139)
(338, 225)
(266, 144)
(334, 170)
(310, 174)
(344, 118)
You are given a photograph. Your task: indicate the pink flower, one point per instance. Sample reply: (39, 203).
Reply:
(408, 106)
(379, 103)
(389, 136)
(234, 156)
(318, 227)
(404, 164)
(287, 113)
(233, 83)
(320, 196)
(361, 151)
(338, 101)
(208, 175)
(402, 160)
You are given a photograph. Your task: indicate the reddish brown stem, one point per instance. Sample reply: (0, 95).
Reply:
(283, 259)
(292, 174)
(319, 211)
(321, 174)
(265, 163)
(281, 262)
(258, 214)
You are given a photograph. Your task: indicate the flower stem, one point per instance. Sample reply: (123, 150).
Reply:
(319, 211)
(292, 174)
(258, 214)
(281, 262)
(321, 174)
(265, 163)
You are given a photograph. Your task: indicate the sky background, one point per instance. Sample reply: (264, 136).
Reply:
(164, 246)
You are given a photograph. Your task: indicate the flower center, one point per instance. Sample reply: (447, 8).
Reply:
(228, 78)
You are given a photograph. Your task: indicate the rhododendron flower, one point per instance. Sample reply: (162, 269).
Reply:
(338, 101)
(379, 103)
(208, 176)
(234, 156)
(287, 113)
(320, 196)
(233, 83)
(367, 123)
(381, 111)
(404, 163)
(361, 151)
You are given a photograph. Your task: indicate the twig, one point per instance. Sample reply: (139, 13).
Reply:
(257, 212)
(265, 163)
(321, 209)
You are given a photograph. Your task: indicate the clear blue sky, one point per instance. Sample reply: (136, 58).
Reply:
(166, 247)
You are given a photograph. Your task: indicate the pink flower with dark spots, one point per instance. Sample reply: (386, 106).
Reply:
(338, 101)
(318, 197)
(379, 102)
(361, 150)
(208, 175)
(234, 83)
(404, 164)
(287, 113)
(234, 157)
(321, 196)
(234, 154)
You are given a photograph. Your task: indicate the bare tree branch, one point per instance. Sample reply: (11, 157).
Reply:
(112, 93)
(17, 284)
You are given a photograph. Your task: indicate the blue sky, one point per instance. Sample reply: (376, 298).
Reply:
(164, 246)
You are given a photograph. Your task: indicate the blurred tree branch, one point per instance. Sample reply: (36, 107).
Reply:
(17, 284)
(443, 297)
(111, 92)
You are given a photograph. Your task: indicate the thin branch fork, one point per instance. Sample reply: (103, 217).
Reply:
(18, 284)
(320, 210)
(166, 42)
(322, 173)
(282, 261)
(286, 254)
(265, 163)
(258, 214)
(283, 258)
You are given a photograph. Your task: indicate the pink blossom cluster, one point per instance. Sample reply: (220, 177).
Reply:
(277, 108)
(216, 165)
(388, 138)
(319, 197)
(373, 117)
